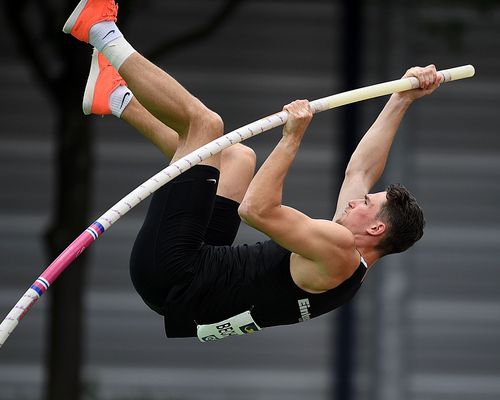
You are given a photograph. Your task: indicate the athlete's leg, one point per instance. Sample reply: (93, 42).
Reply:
(237, 165)
(93, 21)
(163, 137)
(237, 170)
(106, 93)
(173, 105)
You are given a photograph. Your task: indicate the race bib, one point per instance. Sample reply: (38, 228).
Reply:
(241, 324)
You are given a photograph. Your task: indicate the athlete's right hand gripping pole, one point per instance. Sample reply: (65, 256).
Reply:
(103, 223)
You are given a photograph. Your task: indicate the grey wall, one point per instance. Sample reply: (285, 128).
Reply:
(428, 321)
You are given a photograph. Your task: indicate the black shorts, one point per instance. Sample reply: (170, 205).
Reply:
(184, 216)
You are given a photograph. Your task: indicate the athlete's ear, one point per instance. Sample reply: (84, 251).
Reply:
(377, 228)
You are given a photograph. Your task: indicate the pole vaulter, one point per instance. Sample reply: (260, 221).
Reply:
(103, 223)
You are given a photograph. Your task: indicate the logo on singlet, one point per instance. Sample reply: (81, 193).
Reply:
(304, 306)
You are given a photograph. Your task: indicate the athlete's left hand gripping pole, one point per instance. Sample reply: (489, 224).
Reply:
(95, 230)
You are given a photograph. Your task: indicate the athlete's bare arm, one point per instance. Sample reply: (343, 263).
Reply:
(328, 245)
(368, 161)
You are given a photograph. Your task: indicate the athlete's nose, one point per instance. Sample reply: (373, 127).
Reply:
(354, 203)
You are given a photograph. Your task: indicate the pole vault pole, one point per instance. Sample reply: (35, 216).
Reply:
(102, 224)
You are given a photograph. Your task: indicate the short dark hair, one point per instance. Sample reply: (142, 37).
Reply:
(404, 219)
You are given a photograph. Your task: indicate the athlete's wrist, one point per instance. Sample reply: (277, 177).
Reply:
(291, 142)
(402, 100)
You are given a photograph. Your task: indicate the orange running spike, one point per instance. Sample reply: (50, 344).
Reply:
(102, 81)
(88, 13)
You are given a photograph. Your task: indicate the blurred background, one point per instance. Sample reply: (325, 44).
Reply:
(426, 324)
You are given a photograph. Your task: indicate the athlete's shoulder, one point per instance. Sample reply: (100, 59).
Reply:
(340, 237)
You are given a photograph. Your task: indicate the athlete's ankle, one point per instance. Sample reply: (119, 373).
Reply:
(107, 38)
(119, 100)
(103, 33)
(117, 52)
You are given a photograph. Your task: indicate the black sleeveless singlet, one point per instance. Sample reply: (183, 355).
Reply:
(232, 279)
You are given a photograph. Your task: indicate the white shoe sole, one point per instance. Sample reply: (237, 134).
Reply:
(88, 94)
(70, 22)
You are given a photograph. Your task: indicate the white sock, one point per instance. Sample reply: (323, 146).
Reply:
(119, 99)
(117, 51)
(102, 33)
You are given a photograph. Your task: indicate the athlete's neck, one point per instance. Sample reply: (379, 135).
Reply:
(369, 254)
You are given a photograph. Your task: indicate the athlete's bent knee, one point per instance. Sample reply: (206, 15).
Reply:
(214, 123)
(206, 122)
(242, 154)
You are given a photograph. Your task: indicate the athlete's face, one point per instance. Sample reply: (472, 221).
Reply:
(361, 214)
